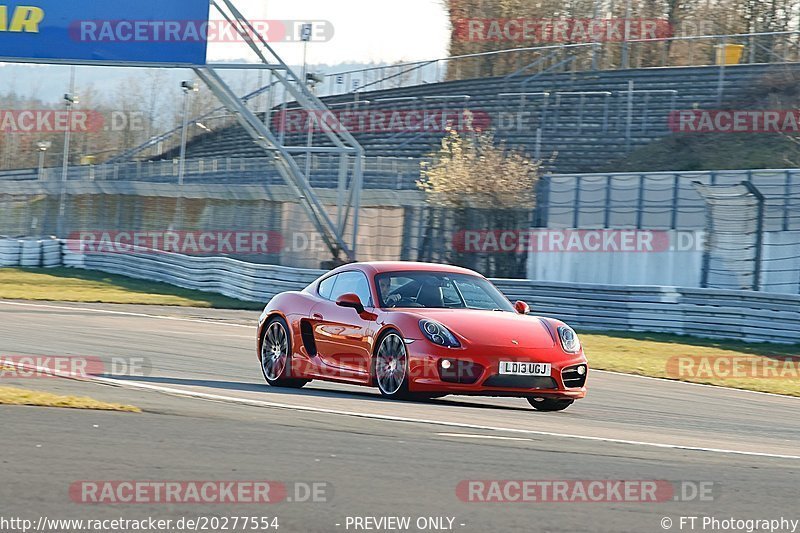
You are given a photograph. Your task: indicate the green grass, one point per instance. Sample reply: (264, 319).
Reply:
(647, 354)
(75, 285)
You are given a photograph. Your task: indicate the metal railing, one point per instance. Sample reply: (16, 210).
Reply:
(581, 104)
(693, 50)
(231, 170)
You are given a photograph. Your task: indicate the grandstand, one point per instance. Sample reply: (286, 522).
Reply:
(589, 119)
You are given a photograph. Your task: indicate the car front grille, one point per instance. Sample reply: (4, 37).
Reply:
(521, 382)
(464, 372)
(572, 379)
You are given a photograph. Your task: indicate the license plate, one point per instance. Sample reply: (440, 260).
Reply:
(524, 369)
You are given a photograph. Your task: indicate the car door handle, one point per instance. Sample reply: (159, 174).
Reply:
(317, 316)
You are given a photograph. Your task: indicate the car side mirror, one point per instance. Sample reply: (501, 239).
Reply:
(521, 307)
(350, 300)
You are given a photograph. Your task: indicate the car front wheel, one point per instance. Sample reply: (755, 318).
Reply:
(391, 366)
(276, 355)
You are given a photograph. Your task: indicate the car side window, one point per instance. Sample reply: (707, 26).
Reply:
(353, 282)
(326, 287)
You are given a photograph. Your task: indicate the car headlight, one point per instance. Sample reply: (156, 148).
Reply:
(438, 334)
(569, 339)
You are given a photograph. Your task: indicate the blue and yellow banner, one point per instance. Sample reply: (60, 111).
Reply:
(106, 31)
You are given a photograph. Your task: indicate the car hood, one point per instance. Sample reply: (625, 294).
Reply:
(493, 328)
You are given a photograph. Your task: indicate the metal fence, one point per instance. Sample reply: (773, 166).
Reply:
(663, 200)
(519, 63)
(750, 243)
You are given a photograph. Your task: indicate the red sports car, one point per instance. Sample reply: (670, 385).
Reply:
(418, 329)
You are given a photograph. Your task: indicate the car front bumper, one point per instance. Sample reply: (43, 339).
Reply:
(480, 374)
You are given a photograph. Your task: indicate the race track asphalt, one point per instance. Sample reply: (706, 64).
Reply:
(208, 415)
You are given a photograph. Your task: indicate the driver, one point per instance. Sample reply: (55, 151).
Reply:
(389, 298)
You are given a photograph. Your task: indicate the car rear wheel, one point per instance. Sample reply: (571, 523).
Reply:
(549, 404)
(276, 355)
(391, 366)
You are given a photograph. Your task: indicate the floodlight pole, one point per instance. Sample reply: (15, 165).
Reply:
(69, 99)
(187, 87)
(305, 36)
(43, 147)
(305, 61)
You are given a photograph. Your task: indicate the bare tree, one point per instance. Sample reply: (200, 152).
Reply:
(474, 183)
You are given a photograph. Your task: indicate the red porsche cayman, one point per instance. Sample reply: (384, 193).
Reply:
(418, 329)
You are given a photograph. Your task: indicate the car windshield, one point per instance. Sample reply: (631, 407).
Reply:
(444, 290)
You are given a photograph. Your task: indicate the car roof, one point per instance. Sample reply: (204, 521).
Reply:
(379, 267)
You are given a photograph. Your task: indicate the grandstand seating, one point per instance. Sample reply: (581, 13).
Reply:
(587, 132)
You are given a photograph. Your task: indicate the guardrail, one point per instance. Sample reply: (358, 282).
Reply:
(230, 277)
(729, 314)
(713, 313)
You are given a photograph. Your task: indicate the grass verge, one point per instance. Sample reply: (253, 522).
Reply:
(16, 396)
(648, 354)
(75, 285)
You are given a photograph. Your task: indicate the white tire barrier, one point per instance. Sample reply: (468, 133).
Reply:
(51, 253)
(9, 252)
(31, 253)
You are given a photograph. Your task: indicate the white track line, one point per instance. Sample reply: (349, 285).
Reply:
(473, 436)
(375, 416)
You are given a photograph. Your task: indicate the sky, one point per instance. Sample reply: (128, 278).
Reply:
(364, 30)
